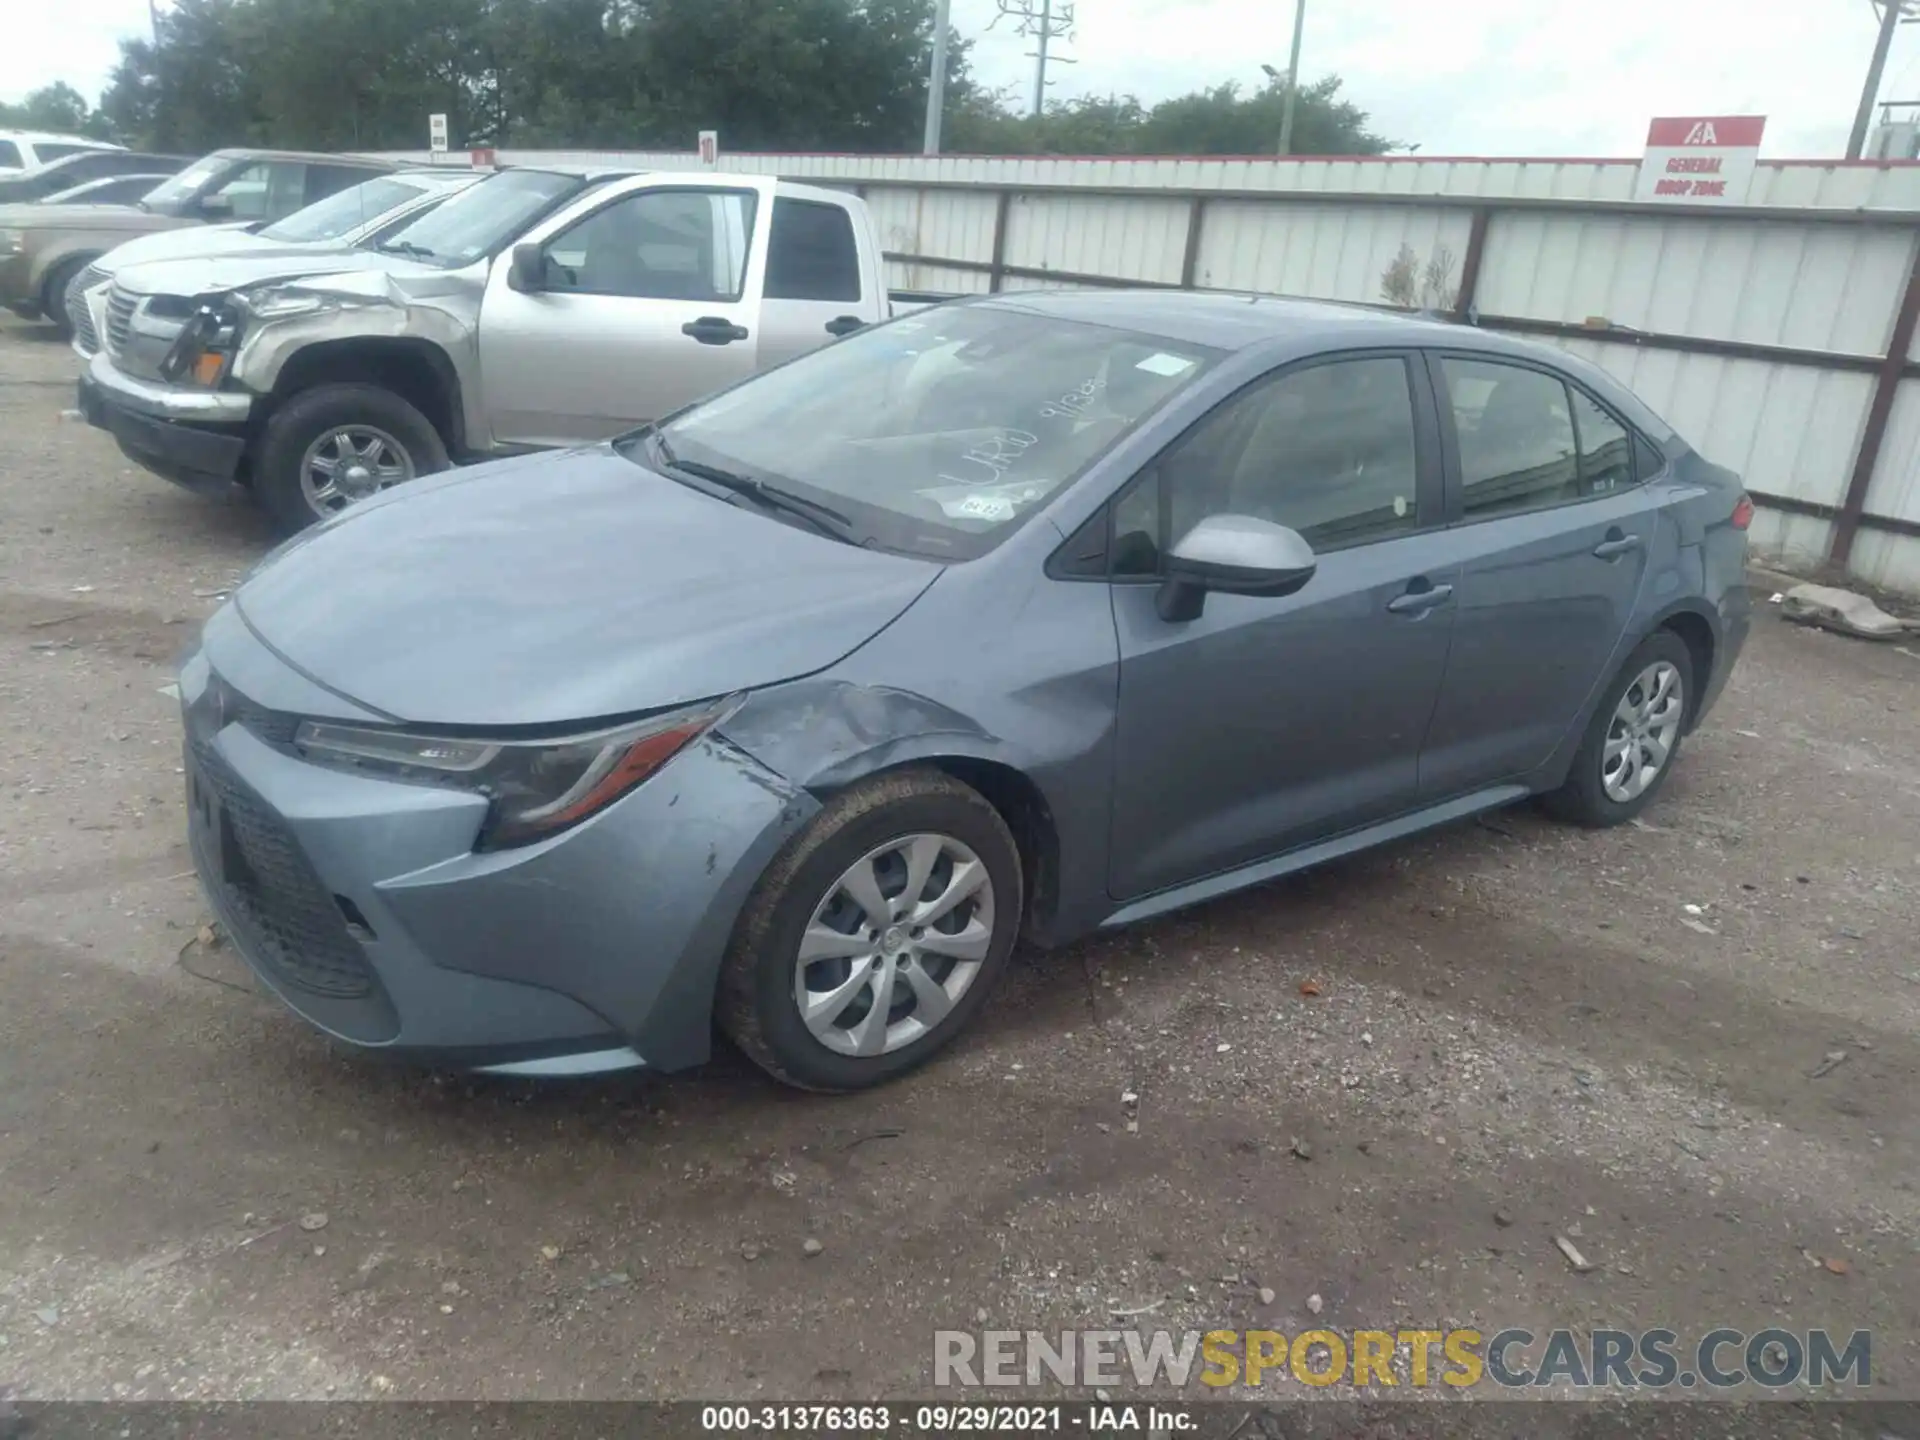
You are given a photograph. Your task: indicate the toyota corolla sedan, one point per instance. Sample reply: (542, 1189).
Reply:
(1016, 618)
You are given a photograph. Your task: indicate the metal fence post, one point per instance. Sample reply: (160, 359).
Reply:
(1470, 262)
(997, 269)
(1190, 261)
(1886, 388)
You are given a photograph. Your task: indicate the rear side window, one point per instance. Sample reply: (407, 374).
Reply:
(812, 254)
(1606, 449)
(1516, 438)
(9, 155)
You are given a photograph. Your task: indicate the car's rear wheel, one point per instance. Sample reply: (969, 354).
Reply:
(875, 936)
(1634, 737)
(334, 445)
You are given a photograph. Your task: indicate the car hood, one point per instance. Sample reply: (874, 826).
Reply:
(563, 588)
(188, 240)
(84, 217)
(203, 274)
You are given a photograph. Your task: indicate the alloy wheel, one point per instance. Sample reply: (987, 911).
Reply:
(894, 944)
(348, 463)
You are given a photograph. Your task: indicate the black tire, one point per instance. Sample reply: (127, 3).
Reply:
(755, 1005)
(306, 417)
(53, 293)
(1583, 799)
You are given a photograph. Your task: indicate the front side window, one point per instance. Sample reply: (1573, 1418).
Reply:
(1515, 429)
(1328, 451)
(811, 252)
(658, 245)
(964, 420)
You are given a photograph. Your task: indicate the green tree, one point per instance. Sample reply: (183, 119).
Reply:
(57, 107)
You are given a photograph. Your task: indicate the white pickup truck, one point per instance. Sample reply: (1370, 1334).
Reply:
(537, 308)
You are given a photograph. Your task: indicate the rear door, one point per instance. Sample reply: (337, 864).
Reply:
(1552, 533)
(821, 284)
(649, 299)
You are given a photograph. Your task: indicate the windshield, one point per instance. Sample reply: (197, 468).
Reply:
(187, 183)
(480, 219)
(349, 209)
(968, 418)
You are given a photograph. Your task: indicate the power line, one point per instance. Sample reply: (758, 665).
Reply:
(1046, 21)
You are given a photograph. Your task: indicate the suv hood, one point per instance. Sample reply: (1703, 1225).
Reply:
(205, 274)
(172, 244)
(85, 217)
(556, 589)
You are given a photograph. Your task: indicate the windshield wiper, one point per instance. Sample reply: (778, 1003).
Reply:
(824, 518)
(407, 248)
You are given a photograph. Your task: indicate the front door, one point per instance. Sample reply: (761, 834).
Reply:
(1553, 536)
(1267, 723)
(647, 302)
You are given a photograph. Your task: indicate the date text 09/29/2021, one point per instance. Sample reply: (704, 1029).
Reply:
(950, 1419)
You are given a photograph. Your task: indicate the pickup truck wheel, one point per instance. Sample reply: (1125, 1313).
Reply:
(333, 445)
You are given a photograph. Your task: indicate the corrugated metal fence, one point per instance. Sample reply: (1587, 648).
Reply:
(1777, 336)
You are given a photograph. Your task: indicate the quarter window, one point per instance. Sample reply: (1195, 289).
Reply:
(1515, 427)
(1328, 451)
(658, 245)
(9, 155)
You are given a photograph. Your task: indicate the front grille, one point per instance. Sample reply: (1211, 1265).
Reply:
(79, 313)
(285, 918)
(120, 306)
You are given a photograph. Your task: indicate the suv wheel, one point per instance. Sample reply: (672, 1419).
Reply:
(53, 295)
(875, 936)
(329, 447)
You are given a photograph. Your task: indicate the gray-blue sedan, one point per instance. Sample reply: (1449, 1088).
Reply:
(1013, 618)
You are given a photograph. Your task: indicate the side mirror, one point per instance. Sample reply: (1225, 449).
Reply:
(216, 207)
(526, 271)
(1237, 555)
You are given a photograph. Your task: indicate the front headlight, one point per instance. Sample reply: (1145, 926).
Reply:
(274, 303)
(205, 347)
(12, 242)
(538, 787)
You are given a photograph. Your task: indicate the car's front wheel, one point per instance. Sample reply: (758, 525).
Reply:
(329, 447)
(876, 935)
(1634, 737)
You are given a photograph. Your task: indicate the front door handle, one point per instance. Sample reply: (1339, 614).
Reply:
(845, 325)
(1616, 544)
(1420, 601)
(714, 330)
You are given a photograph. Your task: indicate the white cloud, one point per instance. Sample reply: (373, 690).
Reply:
(1461, 77)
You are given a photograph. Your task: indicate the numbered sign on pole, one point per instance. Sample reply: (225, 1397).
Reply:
(437, 133)
(709, 147)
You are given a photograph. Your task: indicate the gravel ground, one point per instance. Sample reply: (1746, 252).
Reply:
(1388, 1084)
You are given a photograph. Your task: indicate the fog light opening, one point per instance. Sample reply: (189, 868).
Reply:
(357, 925)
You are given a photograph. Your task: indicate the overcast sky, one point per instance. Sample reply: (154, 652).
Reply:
(1459, 77)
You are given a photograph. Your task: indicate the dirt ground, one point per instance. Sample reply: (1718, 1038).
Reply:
(1520, 1031)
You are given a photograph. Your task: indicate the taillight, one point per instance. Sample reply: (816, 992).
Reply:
(1743, 512)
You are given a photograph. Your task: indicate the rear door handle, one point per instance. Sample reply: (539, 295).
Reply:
(844, 325)
(1616, 545)
(1419, 602)
(714, 330)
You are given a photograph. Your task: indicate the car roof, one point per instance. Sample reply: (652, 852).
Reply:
(64, 162)
(446, 175)
(55, 137)
(1226, 320)
(356, 162)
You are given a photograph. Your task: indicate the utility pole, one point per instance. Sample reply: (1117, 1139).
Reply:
(1046, 21)
(1293, 79)
(937, 80)
(1892, 13)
